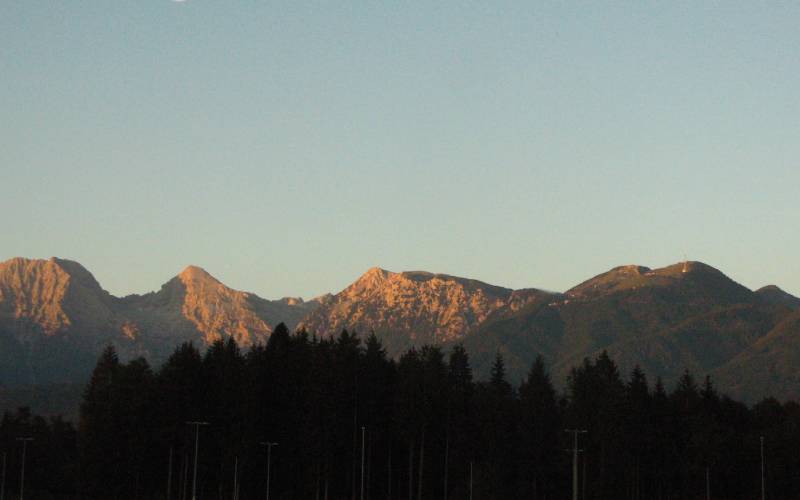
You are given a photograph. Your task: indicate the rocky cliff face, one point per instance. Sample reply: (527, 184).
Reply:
(46, 297)
(195, 304)
(410, 308)
(55, 318)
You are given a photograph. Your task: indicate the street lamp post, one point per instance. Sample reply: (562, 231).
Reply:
(169, 475)
(3, 483)
(269, 446)
(470, 480)
(575, 451)
(25, 441)
(196, 454)
(236, 478)
(363, 436)
(763, 479)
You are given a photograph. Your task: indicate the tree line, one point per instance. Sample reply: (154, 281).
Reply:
(342, 414)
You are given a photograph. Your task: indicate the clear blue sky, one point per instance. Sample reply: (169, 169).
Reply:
(287, 147)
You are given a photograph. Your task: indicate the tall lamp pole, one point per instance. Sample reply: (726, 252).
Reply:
(363, 441)
(575, 451)
(25, 441)
(169, 475)
(3, 483)
(196, 425)
(470, 480)
(763, 479)
(269, 446)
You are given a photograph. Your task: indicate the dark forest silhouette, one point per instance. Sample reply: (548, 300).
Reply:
(428, 428)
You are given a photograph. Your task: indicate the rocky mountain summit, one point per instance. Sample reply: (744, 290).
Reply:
(411, 308)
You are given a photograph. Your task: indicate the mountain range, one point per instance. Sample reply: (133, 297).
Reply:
(55, 318)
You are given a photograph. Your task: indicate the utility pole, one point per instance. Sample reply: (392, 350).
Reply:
(269, 446)
(196, 454)
(363, 442)
(708, 483)
(575, 451)
(25, 441)
(763, 478)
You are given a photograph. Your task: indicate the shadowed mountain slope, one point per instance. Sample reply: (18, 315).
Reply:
(687, 315)
(774, 295)
(771, 365)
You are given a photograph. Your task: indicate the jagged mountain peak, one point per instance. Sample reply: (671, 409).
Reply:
(374, 276)
(48, 296)
(70, 268)
(408, 308)
(196, 274)
(376, 271)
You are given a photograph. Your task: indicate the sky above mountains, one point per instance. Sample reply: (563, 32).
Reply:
(286, 148)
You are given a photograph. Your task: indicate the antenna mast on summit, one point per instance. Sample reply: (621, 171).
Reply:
(685, 264)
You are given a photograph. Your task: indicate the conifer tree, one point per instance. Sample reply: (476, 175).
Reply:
(100, 447)
(460, 428)
(538, 428)
(496, 411)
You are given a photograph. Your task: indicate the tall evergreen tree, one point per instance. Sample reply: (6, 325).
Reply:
(638, 434)
(100, 447)
(539, 428)
(496, 410)
(460, 428)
